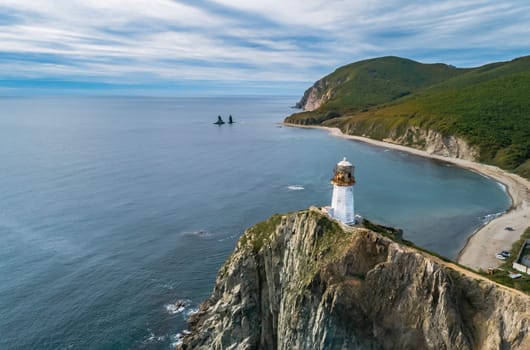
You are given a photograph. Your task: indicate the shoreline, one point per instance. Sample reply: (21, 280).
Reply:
(479, 251)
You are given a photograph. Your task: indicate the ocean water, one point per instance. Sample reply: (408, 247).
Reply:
(114, 209)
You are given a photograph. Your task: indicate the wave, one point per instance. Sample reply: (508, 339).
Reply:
(191, 311)
(502, 186)
(152, 338)
(486, 219)
(230, 237)
(176, 340)
(295, 188)
(198, 233)
(178, 307)
(168, 286)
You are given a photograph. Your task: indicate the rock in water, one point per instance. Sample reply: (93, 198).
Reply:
(219, 121)
(302, 281)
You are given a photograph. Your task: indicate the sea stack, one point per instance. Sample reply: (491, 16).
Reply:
(219, 121)
(342, 204)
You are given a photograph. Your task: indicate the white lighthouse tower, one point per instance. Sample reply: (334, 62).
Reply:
(342, 200)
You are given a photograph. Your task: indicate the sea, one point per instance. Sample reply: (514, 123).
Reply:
(117, 212)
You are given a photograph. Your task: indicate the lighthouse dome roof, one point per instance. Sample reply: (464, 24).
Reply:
(344, 162)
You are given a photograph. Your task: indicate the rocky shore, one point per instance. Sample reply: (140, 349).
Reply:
(305, 281)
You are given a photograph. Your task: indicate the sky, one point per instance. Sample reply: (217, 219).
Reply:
(238, 47)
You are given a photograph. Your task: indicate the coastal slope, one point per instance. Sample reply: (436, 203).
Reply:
(304, 281)
(361, 85)
(480, 114)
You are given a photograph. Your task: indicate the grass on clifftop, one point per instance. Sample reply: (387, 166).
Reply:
(255, 237)
(488, 106)
(258, 235)
(331, 241)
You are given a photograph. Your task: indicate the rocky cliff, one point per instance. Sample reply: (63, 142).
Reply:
(430, 140)
(303, 281)
(316, 96)
(435, 143)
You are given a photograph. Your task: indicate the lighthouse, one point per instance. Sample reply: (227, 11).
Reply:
(342, 201)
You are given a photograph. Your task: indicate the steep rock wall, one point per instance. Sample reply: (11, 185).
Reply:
(411, 136)
(435, 143)
(302, 281)
(316, 96)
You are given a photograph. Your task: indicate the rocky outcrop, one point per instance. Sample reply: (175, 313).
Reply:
(315, 96)
(303, 281)
(435, 143)
(428, 140)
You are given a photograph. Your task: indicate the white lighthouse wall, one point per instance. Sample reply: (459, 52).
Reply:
(342, 204)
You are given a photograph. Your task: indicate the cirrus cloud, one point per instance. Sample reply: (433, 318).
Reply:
(150, 42)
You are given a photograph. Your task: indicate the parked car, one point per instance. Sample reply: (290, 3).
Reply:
(505, 253)
(500, 256)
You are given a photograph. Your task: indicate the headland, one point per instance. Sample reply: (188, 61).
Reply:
(305, 281)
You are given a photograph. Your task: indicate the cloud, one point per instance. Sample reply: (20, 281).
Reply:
(164, 41)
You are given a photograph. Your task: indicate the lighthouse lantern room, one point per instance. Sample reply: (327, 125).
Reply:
(342, 204)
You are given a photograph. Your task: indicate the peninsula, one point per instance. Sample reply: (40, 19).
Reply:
(306, 281)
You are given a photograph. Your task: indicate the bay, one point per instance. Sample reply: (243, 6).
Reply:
(112, 209)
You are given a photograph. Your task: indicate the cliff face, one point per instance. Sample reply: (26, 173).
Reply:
(316, 96)
(412, 136)
(435, 143)
(302, 281)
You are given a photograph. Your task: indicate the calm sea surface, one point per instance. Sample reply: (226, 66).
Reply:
(112, 209)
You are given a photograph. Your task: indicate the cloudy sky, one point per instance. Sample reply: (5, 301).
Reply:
(202, 47)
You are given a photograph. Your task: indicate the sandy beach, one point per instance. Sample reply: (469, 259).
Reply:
(480, 249)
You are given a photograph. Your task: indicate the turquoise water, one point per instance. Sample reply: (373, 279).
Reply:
(112, 209)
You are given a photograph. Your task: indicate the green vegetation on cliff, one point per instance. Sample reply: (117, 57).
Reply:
(361, 85)
(486, 106)
(303, 281)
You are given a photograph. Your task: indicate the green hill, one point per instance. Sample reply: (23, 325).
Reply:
(488, 106)
(365, 84)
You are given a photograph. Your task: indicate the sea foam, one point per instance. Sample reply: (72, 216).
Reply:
(177, 307)
(486, 219)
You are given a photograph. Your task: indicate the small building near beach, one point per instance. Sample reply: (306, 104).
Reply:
(522, 262)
